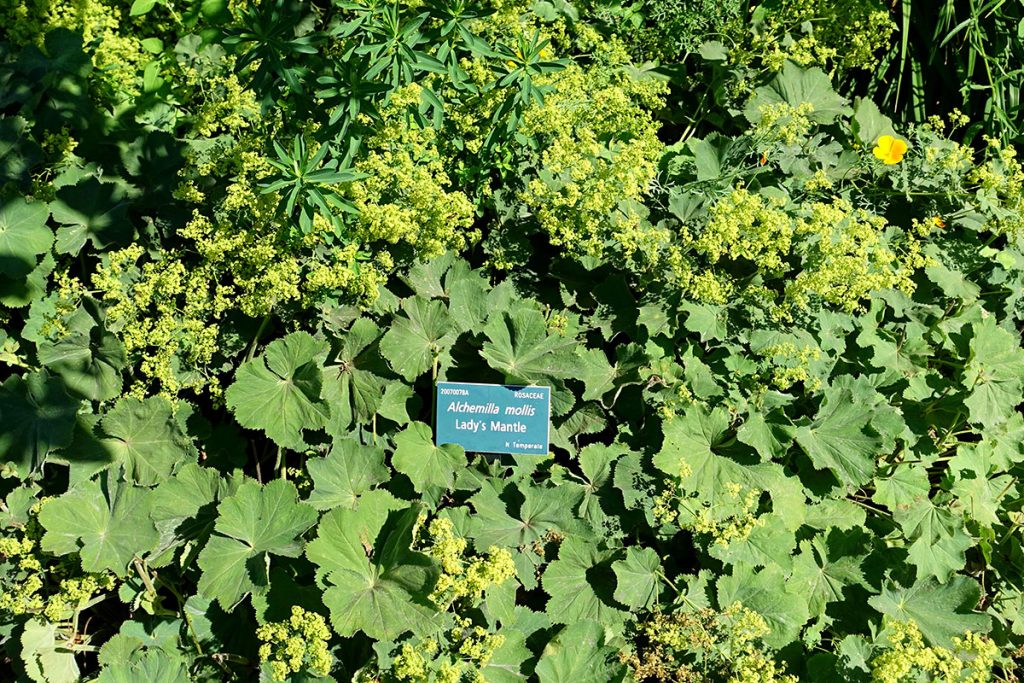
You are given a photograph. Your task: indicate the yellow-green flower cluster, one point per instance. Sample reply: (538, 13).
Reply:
(108, 37)
(988, 185)
(59, 144)
(782, 122)
(666, 504)
(598, 161)
(846, 256)
(168, 312)
(665, 508)
(249, 269)
(37, 583)
(405, 197)
(228, 168)
(846, 33)
(774, 49)
(824, 252)
(410, 664)
(457, 656)
(906, 658)
(736, 524)
(701, 644)
(225, 106)
(506, 20)
(164, 314)
(299, 642)
(68, 293)
(999, 180)
(758, 667)
(74, 593)
(23, 597)
(747, 225)
(789, 364)
(463, 577)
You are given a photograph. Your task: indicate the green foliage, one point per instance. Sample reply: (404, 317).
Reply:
(279, 392)
(240, 243)
(667, 30)
(961, 56)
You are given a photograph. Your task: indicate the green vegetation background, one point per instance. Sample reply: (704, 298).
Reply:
(768, 255)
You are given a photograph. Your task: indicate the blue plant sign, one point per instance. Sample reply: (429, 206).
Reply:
(494, 418)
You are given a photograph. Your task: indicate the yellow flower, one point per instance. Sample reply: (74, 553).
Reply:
(890, 150)
(938, 222)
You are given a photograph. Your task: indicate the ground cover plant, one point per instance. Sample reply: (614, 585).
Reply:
(769, 257)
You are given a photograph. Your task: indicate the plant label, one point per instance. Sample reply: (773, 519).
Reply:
(493, 418)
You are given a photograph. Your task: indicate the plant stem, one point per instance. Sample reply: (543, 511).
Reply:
(256, 339)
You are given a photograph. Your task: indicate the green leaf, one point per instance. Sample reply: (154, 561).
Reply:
(18, 505)
(506, 664)
(770, 542)
(145, 438)
(279, 392)
(575, 582)
(21, 291)
(637, 579)
(710, 155)
(254, 523)
(425, 464)
(840, 439)
(153, 46)
(869, 123)
(375, 583)
(707, 320)
(939, 540)
(519, 346)
(47, 659)
(347, 472)
(140, 7)
(23, 236)
(941, 611)
(91, 210)
(542, 510)
(825, 566)
(994, 374)
(353, 392)
(596, 373)
(782, 603)
(424, 277)
(691, 438)
(87, 454)
(154, 666)
(183, 507)
(980, 482)
(467, 297)
(795, 85)
(215, 11)
(88, 358)
(580, 654)
(687, 449)
(38, 418)
(107, 523)
(18, 154)
(395, 404)
(769, 435)
(135, 638)
(654, 317)
(415, 340)
(941, 558)
(596, 463)
(904, 488)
